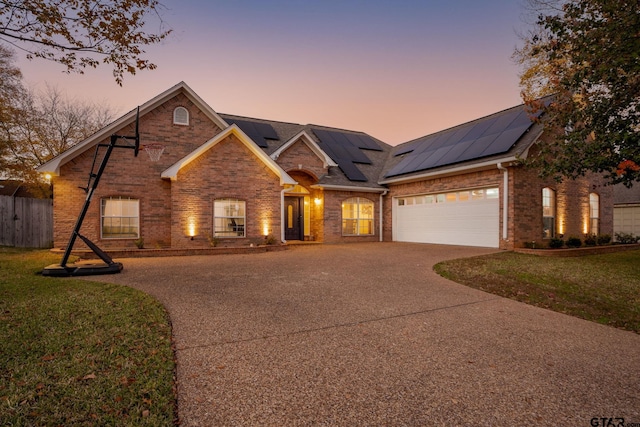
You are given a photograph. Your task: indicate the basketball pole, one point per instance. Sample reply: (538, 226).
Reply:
(63, 269)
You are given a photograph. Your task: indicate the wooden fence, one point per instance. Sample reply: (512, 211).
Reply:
(26, 223)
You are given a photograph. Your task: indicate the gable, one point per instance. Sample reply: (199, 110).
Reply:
(232, 131)
(128, 121)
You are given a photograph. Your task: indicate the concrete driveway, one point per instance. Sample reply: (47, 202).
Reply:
(368, 334)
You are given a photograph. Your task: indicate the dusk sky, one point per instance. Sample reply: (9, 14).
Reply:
(396, 69)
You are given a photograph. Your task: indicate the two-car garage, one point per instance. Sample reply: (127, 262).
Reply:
(463, 217)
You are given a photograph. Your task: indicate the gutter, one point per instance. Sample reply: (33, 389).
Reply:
(453, 171)
(350, 188)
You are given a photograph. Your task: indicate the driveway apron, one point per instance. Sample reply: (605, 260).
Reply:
(368, 334)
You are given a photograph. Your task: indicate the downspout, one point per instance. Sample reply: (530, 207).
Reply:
(282, 223)
(382, 214)
(505, 200)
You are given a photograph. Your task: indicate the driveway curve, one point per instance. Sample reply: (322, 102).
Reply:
(368, 334)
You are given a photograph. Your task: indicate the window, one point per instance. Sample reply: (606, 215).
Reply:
(357, 217)
(548, 213)
(120, 218)
(594, 213)
(492, 193)
(180, 116)
(229, 218)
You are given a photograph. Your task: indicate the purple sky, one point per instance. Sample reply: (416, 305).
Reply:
(395, 69)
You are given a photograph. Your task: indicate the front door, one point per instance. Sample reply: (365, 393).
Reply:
(293, 218)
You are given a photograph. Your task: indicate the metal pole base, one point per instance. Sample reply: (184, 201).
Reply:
(83, 268)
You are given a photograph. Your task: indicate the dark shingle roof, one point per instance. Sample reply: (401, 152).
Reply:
(359, 156)
(478, 139)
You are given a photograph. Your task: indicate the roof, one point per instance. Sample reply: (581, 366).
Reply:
(359, 157)
(626, 196)
(493, 137)
(354, 160)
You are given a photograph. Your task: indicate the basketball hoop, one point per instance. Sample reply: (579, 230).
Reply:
(154, 151)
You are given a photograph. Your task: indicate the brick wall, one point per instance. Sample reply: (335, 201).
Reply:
(130, 176)
(227, 170)
(300, 157)
(572, 205)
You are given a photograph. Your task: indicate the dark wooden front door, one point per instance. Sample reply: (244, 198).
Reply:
(293, 218)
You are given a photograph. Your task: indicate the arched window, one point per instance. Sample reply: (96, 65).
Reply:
(180, 116)
(357, 217)
(229, 218)
(548, 213)
(594, 213)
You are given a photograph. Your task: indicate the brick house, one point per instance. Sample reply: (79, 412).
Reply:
(231, 180)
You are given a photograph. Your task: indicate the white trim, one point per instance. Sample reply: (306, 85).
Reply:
(176, 120)
(172, 172)
(490, 164)
(304, 136)
(349, 188)
(53, 165)
(505, 201)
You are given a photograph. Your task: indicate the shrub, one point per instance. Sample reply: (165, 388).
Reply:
(139, 243)
(590, 239)
(530, 245)
(556, 243)
(213, 241)
(270, 240)
(574, 242)
(626, 238)
(604, 239)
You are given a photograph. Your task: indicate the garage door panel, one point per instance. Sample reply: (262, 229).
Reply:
(469, 223)
(626, 219)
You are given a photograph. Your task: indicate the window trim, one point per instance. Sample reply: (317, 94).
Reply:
(552, 207)
(240, 228)
(358, 219)
(591, 213)
(175, 119)
(102, 218)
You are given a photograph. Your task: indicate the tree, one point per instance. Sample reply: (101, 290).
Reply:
(82, 33)
(587, 54)
(10, 90)
(43, 125)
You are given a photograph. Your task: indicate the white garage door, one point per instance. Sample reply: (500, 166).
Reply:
(626, 219)
(469, 218)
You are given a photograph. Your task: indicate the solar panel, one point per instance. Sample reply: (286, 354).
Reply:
(345, 149)
(350, 170)
(258, 132)
(363, 141)
(456, 153)
(267, 131)
(504, 141)
(407, 148)
(484, 137)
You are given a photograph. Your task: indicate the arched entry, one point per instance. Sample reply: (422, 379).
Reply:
(294, 213)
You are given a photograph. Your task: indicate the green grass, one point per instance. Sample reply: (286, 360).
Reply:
(80, 353)
(600, 288)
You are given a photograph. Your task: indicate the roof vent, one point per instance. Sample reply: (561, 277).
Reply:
(180, 116)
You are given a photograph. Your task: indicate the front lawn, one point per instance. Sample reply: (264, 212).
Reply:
(601, 288)
(80, 353)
